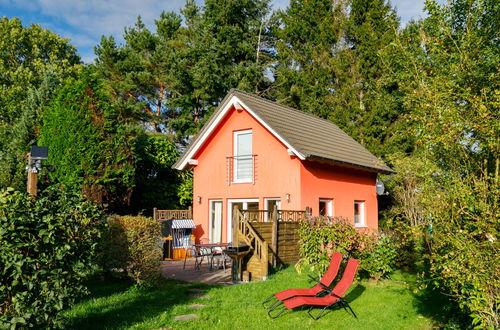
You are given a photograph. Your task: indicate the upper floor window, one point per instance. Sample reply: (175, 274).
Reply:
(359, 214)
(243, 157)
(325, 207)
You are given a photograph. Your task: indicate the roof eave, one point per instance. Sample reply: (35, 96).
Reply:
(341, 162)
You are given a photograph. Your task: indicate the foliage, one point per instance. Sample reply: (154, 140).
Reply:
(47, 249)
(172, 77)
(32, 62)
(133, 244)
(329, 64)
(185, 189)
(379, 261)
(89, 144)
(156, 182)
(320, 237)
(452, 92)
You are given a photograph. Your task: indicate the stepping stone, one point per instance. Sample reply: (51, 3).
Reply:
(199, 295)
(197, 306)
(186, 317)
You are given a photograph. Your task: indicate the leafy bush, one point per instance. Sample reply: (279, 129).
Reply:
(132, 244)
(47, 249)
(320, 237)
(379, 259)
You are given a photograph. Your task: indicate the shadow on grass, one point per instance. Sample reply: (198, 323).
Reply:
(440, 308)
(124, 304)
(437, 306)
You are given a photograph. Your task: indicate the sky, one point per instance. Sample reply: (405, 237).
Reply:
(85, 21)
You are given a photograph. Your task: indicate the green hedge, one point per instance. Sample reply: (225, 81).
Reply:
(133, 244)
(47, 249)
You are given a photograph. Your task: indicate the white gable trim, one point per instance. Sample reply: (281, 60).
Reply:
(238, 103)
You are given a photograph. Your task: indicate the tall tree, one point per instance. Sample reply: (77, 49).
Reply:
(32, 61)
(307, 42)
(172, 77)
(329, 64)
(90, 146)
(372, 26)
(452, 93)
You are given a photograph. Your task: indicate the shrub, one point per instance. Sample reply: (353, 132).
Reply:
(379, 259)
(47, 249)
(320, 237)
(133, 244)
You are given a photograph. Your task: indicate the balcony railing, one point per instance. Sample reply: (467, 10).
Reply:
(241, 169)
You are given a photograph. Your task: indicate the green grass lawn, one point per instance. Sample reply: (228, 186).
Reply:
(388, 304)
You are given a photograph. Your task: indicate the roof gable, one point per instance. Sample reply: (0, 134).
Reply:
(307, 136)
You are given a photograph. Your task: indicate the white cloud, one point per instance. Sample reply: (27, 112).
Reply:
(98, 17)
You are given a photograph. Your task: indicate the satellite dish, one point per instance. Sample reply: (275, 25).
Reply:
(380, 188)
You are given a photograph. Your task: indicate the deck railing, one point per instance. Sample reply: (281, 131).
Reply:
(250, 236)
(162, 215)
(266, 215)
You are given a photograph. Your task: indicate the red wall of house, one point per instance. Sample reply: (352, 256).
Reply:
(276, 172)
(343, 186)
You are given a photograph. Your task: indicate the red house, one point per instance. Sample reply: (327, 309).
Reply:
(258, 154)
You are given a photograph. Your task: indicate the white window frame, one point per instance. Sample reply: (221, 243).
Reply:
(235, 179)
(362, 214)
(210, 224)
(266, 206)
(329, 206)
(229, 221)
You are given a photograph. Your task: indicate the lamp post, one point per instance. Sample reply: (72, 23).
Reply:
(35, 158)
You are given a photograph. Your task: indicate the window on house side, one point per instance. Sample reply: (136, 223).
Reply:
(325, 207)
(243, 162)
(359, 214)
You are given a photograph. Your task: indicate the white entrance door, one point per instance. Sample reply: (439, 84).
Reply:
(215, 221)
(242, 204)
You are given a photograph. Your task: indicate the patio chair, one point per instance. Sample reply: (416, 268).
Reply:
(318, 289)
(220, 257)
(333, 297)
(198, 253)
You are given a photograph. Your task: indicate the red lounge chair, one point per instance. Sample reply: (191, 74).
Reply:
(317, 290)
(334, 296)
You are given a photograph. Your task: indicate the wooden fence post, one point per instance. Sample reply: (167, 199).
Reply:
(274, 237)
(154, 214)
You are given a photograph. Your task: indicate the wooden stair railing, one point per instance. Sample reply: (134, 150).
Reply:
(260, 247)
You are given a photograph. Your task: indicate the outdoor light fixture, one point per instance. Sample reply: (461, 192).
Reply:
(287, 197)
(199, 199)
(36, 156)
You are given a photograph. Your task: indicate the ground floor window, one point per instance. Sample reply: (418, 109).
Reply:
(359, 214)
(325, 207)
(215, 221)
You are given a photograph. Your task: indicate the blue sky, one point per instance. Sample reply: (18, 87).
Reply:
(85, 21)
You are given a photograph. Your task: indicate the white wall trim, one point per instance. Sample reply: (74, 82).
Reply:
(237, 103)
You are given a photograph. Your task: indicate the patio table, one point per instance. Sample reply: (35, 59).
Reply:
(212, 250)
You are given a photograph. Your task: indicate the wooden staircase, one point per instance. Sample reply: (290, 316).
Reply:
(257, 264)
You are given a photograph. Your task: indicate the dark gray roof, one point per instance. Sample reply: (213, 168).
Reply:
(315, 138)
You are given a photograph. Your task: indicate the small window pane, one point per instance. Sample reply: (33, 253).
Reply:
(244, 144)
(359, 213)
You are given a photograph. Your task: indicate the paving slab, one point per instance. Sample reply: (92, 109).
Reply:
(197, 306)
(186, 317)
